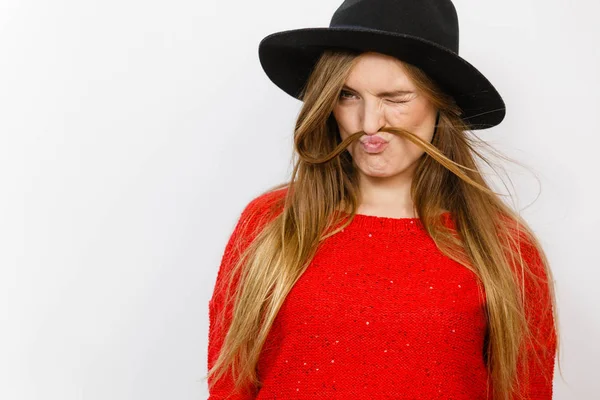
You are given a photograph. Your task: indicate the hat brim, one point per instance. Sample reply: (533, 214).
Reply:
(288, 58)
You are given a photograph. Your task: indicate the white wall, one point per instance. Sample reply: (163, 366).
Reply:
(132, 133)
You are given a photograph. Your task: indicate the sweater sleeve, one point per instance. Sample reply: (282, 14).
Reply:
(538, 311)
(246, 229)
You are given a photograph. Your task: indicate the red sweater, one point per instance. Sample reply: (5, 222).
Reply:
(380, 313)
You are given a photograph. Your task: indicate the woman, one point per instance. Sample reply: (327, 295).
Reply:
(386, 267)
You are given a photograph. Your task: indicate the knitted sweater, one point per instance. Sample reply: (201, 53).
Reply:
(380, 313)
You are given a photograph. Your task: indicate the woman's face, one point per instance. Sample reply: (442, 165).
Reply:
(368, 103)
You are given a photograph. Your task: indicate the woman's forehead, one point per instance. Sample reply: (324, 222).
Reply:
(377, 72)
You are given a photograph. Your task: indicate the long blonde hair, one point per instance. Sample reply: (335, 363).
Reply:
(493, 241)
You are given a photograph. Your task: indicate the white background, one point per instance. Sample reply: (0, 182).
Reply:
(132, 134)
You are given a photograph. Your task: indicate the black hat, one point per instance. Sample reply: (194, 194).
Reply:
(420, 32)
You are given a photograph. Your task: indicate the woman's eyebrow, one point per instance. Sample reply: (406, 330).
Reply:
(386, 93)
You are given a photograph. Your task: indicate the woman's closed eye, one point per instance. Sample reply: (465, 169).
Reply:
(398, 101)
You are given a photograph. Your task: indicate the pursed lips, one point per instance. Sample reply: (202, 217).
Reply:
(373, 140)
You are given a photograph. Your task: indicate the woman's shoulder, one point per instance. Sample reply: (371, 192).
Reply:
(267, 201)
(447, 219)
(263, 207)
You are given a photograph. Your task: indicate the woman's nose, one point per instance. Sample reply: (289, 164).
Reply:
(373, 117)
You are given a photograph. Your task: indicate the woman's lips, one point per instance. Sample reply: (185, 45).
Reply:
(373, 140)
(373, 144)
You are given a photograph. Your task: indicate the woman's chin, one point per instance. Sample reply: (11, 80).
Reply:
(378, 174)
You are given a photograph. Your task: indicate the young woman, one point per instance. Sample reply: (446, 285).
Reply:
(386, 268)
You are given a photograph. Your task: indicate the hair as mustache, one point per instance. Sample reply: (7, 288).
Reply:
(343, 145)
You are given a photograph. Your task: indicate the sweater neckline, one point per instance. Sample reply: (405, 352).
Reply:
(372, 222)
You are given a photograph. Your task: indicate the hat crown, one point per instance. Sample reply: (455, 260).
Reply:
(433, 20)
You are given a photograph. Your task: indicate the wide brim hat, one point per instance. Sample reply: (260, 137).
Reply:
(423, 33)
